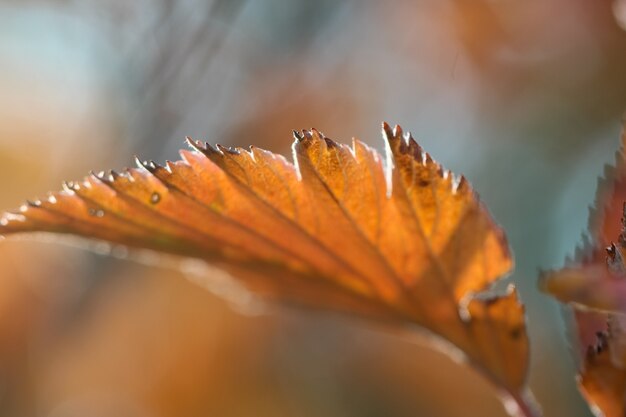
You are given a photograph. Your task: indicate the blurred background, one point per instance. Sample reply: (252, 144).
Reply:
(525, 98)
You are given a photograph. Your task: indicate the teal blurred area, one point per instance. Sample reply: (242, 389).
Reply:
(524, 98)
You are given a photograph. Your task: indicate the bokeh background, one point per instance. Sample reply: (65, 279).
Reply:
(524, 97)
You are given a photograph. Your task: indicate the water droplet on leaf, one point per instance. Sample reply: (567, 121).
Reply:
(96, 212)
(155, 198)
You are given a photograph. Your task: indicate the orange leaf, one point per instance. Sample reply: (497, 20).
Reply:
(405, 241)
(602, 378)
(594, 283)
(587, 281)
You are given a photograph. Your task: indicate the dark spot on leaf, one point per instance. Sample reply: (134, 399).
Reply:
(516, 332)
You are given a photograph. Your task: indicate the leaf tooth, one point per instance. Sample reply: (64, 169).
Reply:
(196, 145)
(35, 203)
(584, 249)
(95, 176)
(209, 151)
(308, 135)
(387, 132)
(591, 210)
(190, 142)
(145, 166)
(251, 152)
(190, 158)
(419, 154)
(585, 239)
(297, 135)
(227, 149)
(461, 185)
(330, 144)
(427, 158)
(244, 151)
(127, 175)
(150, 166)
(183, 157)
(139, 163)
(112, 176)
(69, 186)
(579, 256)
(397, 131)
(410, 146)
(600, 182)
(454, 182)
(352, 148)
(609, 171)
(317, 134)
